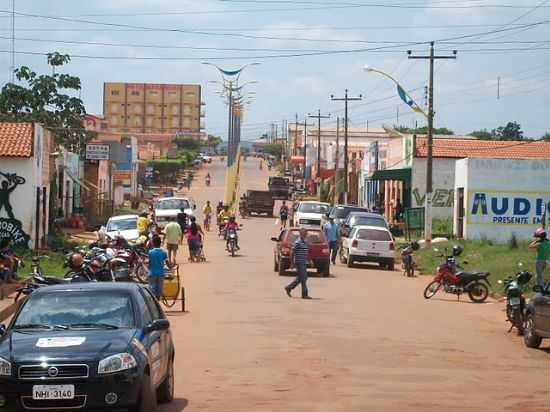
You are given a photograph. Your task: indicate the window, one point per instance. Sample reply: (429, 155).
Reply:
(372, 234)
(152, 305)
(186, 109)
(126, 224)
(172, 94)
(173, 204)
(144, 312)
(313, 208)
(312, 236)
(114, 108)
(190, 94)
(367, 221)
(150, 109)
(115, 92)
(135, 93)
(154, 93)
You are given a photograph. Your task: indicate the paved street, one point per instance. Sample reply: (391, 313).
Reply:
(368, 340)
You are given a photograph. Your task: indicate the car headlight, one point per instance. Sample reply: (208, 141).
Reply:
(116, 363)
(5, 367)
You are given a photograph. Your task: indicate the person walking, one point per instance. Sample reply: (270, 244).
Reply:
(283, 215)
(542, 245)
(173, 237)
(300, 252)
(332, 233)
(157, 259)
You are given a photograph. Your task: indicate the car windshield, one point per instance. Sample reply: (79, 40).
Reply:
(77, 310)
(122, 224)
(312, 236)
(373, 234)
(313, 208)
(173, 204)
(367, 221)
(342, 212)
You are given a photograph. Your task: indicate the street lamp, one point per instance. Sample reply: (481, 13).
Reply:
(231, 72)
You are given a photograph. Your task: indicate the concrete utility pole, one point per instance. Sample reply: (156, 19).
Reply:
(429, 163)
(318, 116)
(335, 198)
(346, 99)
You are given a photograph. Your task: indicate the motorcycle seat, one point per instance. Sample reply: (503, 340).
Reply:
(473, 274)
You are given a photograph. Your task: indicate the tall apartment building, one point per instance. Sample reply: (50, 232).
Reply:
(153, 108)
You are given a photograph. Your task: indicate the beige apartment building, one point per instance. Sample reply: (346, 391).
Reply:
(153, 108)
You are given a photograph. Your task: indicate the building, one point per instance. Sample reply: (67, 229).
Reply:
(497, 199)
(26, 172)
(153, 108)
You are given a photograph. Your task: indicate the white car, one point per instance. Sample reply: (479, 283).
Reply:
(124, 225)
(369, 244)
(310, 213)
(168, 208)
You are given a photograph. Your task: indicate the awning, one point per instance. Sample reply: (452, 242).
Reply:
(297, 159)
(392, 174)
(85, 185)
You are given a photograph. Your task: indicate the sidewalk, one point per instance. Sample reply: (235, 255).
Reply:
(7, 304)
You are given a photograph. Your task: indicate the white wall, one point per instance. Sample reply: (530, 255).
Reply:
(503, 197)
(443, 186)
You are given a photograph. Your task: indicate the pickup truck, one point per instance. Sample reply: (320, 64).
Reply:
(259, 202)
(279, 187)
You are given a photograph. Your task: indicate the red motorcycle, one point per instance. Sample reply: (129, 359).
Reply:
(475, 284)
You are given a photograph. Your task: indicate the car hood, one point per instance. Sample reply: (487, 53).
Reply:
(171, 212)
(82, 345)
(131, 234)
(303, 215)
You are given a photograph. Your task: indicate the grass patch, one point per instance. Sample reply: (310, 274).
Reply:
(52, 266)
(500, 260)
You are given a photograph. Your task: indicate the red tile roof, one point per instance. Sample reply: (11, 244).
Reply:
(16, 139)
(461, 148)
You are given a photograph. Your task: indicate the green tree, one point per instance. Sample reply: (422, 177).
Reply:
(512, 131)
(483, 134)
(50, 100)
(274, 150)
(424, 130)
(188, 144)
(213, 141)
(546, 136)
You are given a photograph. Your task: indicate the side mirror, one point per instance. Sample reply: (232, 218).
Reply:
(157, 325)
(274, 239)
(2, 329)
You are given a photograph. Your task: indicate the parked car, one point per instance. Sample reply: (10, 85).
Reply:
(167, 208)
(369, 244)
(340, 212)
(364, 219)
(310, 213)
(537, 317)
(87, 346)
(318, 250)
(124, 225)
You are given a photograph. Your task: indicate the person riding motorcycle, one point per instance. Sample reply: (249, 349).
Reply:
(232, 225)
(143, 223)
(219, 207)
(223, 215)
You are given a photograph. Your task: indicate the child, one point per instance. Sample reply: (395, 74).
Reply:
(157, 259)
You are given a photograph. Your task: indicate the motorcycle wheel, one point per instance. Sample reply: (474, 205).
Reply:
(478, 292)
(142, 274)
(432, 289)
(232, 249)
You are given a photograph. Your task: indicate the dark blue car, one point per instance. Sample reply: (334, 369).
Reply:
(87, 346)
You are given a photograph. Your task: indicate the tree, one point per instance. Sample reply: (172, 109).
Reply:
(40, 99)
(274, 150)
(546, 136)
(512, 131)
(483, 134)
(424, 130)
(213, 141)
(188, 144)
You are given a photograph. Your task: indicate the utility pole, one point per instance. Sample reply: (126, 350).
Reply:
(346, 99)
(429, 163)
(12, 67)
(318, 116)
(335, 198)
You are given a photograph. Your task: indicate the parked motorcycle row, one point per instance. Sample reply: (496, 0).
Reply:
(115, 261)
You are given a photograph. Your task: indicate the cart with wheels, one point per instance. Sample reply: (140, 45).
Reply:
(172, 290)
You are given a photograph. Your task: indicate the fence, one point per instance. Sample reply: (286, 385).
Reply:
(414, 222)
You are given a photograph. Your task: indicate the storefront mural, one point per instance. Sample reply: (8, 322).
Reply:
(10, 227)
(440, 198)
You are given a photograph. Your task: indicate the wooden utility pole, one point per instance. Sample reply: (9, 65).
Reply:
(429, 162)
(346, 99)
(318, 116)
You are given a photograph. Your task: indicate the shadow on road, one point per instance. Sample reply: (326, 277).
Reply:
(176, 405)
(461, 301)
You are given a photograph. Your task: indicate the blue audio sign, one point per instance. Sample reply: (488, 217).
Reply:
(508, 207)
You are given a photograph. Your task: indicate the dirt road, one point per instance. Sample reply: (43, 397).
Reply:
(367, 342)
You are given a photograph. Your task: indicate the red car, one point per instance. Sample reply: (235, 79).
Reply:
(318, 250)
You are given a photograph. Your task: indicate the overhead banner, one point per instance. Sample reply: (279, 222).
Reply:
(507, 208)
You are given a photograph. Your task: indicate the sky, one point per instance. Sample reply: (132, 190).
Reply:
(308, 50)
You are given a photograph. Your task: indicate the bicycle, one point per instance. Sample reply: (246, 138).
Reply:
(206, 222)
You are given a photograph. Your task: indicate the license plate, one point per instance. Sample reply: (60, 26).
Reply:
(47, 392)
(373, 254)
(515, 301)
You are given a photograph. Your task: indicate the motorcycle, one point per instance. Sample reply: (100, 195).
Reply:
(221, 228)
(232, 242)
(475, 284)
(515, 301)
(407, 258)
